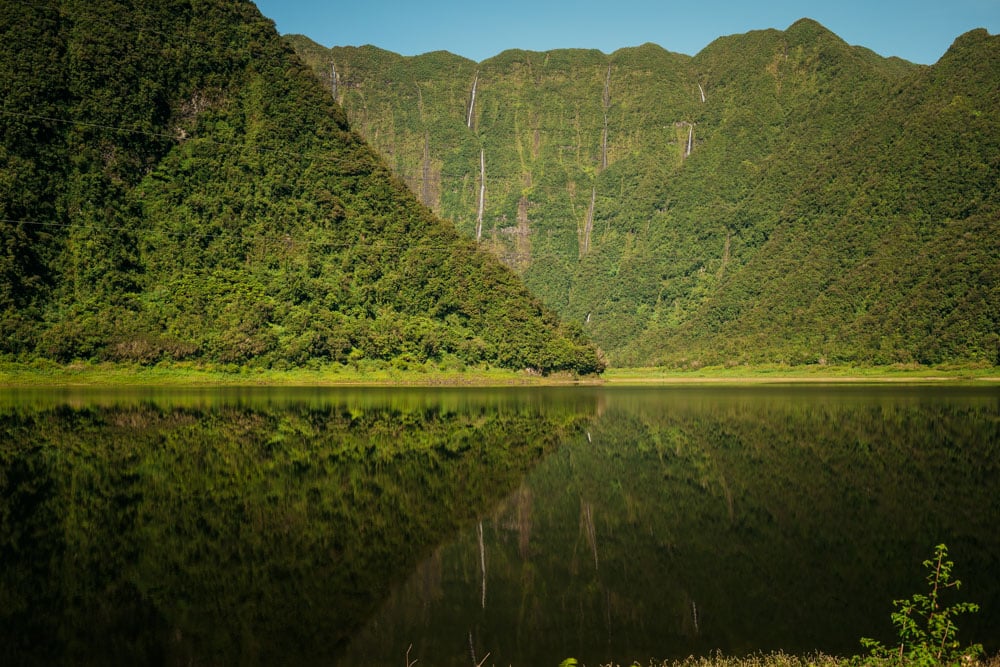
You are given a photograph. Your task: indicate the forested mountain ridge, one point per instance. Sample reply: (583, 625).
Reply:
(175, 185)
(779, 197)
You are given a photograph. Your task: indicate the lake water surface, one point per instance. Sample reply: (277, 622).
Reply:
(502, 526)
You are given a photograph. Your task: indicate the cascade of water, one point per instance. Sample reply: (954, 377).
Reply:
(482, 193)
(426, 191)
(606, 100)
(604, 144)
(472, 102)
(702, 91)
(690, 139)
(588, 225)
(333, 79)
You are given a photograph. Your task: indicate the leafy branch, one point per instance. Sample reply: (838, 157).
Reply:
(927, 630)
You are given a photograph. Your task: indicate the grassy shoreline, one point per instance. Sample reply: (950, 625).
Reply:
(776, 659)
(45, 374)
(783, 374)
(182, 375)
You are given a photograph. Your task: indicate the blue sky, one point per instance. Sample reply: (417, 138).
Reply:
(918, 30)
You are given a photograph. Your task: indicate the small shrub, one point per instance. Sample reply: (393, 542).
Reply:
(927, 630)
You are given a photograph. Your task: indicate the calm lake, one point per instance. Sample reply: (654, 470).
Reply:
(495, 526)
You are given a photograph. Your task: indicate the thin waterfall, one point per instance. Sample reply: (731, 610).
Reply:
(702, 91)
(334, 80)
(426, 173)
(606, 101)
(722, 269)
(482, 193)
(472, 103)
(588, 225)
(604, 144)
(690, 139)
(607, 88)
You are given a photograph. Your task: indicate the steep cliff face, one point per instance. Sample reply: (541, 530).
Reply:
(175, 185)
(728, 207)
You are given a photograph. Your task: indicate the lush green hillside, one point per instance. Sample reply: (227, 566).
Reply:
(781, 196)
(174, 184)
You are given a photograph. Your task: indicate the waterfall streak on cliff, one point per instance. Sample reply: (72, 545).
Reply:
(472, 102)
(606, 101)
(482, 193)
(588, 225)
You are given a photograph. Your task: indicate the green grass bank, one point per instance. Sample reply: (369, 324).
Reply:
(49, 374)
(769, 660)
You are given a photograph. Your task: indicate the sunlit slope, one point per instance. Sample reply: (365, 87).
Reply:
(175, 185)
(781, 196)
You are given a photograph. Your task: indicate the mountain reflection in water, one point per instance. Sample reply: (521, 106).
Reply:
(350, 526)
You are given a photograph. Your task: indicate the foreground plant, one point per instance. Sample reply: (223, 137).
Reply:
(927, 630)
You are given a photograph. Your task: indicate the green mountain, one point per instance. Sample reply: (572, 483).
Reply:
(176, 185)
(779, 197)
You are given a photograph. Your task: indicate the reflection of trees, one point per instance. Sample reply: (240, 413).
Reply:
(742, 521)
(201, 534)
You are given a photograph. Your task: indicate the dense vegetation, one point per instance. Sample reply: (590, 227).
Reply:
(779, 197)
(187, 530)
(175, 185)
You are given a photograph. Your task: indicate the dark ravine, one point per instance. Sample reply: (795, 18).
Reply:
(851, 198)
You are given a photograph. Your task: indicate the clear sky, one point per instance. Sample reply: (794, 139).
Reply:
(917, 30)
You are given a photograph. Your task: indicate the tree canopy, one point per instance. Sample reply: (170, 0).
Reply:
(779, 197)
(176, 185)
